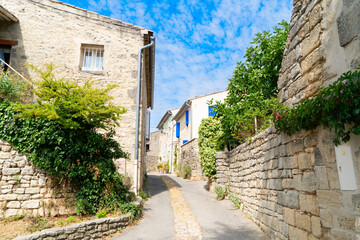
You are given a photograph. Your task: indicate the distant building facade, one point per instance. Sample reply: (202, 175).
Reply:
(176, 140)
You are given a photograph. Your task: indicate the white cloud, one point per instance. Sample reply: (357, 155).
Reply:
(198, 42)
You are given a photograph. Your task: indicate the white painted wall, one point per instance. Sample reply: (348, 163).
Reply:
(200, 110)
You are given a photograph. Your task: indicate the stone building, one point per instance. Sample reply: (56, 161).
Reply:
(83, 45)
(302, 186)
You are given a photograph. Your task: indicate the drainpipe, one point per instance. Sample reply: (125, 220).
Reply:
(172, 148)
(191, 127)
(138, 96)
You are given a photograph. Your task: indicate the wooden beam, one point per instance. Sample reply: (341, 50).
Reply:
(8, 42)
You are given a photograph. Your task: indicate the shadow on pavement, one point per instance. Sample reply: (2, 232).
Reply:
(224, 232)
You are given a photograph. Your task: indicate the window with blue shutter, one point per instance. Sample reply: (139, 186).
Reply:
(178, 129)
(187, 117)
(212, 111)
(185, 141)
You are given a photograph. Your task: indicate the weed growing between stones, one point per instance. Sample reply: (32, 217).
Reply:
(221, 193)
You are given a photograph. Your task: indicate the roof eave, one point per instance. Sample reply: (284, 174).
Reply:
(182, 109)
(7, 16)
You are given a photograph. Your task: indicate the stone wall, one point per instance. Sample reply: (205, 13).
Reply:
(290, 185)
(190, 156)
(27, 190)
(94, 229)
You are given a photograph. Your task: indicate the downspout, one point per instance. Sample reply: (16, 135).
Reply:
(172, 147)
(191, 127)
(138, 96)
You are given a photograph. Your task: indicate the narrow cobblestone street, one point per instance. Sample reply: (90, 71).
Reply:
(183, 209)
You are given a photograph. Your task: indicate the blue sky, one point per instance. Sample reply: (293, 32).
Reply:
(199, 42)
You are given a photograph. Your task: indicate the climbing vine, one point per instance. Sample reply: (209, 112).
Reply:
(210, 141)
(336, 106)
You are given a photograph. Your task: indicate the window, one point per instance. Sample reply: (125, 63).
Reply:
(178, 129)
(187, 117)
(212, 111)
(5, 56)
(92, 57)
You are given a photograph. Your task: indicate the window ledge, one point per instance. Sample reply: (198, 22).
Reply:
(93, 72)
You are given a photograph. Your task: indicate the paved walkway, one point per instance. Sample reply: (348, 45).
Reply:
(192, 207)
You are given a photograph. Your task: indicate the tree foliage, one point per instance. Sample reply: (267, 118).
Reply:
(253, 87)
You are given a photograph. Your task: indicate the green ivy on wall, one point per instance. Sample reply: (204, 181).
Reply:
(336, 107)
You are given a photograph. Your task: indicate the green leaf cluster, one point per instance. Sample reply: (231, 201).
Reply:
(70, 104)
(210, 140)
(12, 88)
(336, 107)
(253, 87)
(60, 135)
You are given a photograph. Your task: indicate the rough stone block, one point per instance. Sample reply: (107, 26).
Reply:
(326, 217)
(32, 190)
(315, 57)
(28, 170)
(308, 203)
(297, 234)
(321, 178)
(308, 182)
(289, 216)
(31, 204)
(303, 221)
(10, 171)
(316, 226)
(305, 161)
(5, 155)
(13, 204)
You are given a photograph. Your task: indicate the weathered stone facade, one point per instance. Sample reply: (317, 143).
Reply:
(153, 155)
(26, 190)
(50, 31)
(290, 185)
(190, 156)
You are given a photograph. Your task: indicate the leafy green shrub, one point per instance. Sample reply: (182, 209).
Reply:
(132, 209)
(236, 201)
(210, 141)
(186, 171)
(336, 106)
(38, 224)
(253, 88)
(102, 214)
(221, 193)
(12, 88)
(166, 167)
(62, 137)
(72, 105)
(70, 219)
(160, 166)
(144, 195)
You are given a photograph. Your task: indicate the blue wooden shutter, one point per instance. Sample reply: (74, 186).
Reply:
(185, 141)
(187, 117)
(178, 129)
(212, 111)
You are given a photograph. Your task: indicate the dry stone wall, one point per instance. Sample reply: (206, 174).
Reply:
(190, 156)
(94, 229)
(26, 190)
(290, 184)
